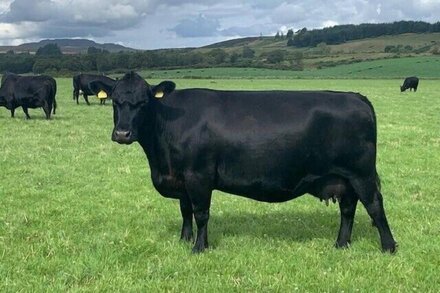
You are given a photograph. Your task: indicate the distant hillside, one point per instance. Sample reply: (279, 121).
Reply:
(233, 43)
(370, 45)
(67, 46)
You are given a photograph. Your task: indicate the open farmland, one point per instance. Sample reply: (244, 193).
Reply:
(393, 68)
(79, 212)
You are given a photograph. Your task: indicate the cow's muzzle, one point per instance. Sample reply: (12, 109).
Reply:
(123, 136)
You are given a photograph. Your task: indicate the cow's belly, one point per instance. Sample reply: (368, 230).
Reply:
(264, 178)
(259, 190)
(32, 102)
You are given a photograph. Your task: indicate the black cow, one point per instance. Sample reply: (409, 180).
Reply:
(410, 83)
(81, 83)
(270, 146)
(28, 92)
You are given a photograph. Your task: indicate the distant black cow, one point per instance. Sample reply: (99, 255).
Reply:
(270, 146)
(28, 92)
(410, 83)
(81, 82)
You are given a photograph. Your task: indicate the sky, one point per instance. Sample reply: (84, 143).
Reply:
(153, 24)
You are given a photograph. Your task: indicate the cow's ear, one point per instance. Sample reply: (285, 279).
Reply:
(96, 86)
(163, 88)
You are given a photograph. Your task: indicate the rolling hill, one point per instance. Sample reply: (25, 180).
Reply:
(67, 46)
(368, 45)
(325, 56)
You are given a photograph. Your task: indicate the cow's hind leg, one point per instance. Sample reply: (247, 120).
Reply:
(347, 206)
(47, 108)
(372, 200)
(336, 187)
(86, 99)
(25, 110)
(199, 191)
(187, 216)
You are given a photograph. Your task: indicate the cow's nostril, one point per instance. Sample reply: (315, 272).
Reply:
(123, 134)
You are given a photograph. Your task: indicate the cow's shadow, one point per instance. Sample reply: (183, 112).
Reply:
(296, 226)
(35, 117)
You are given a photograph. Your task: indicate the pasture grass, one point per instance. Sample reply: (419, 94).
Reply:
(425, 67)
(79, 212)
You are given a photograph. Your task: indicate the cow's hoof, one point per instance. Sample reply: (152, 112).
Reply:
(342, 244)
(199, 248)
(390, 247)
(186, 236)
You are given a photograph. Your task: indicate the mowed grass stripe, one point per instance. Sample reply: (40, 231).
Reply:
(425, 67)
(78, 212)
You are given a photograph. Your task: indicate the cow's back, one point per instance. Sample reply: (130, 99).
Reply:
(412, 81)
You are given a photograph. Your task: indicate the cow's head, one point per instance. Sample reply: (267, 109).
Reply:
(402, 88)
(132, 99)
(3, 93)
(2, 100)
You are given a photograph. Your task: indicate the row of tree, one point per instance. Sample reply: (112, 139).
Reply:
(342, 33)
(49, 59)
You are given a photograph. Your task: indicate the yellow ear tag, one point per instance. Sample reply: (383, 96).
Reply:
(159, 95)
(102, 95)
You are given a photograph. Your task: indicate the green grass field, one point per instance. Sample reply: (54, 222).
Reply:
(79, 213)
(424, 67)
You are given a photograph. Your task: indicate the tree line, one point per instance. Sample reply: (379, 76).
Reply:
(50, 59)
(342, 33)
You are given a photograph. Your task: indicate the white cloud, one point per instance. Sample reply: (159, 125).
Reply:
(10, 32)
(170, 23)
(329, 23)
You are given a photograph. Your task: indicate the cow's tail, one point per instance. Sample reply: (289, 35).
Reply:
(75, 87)
(54, 94)
(366, 101)
(378, 183)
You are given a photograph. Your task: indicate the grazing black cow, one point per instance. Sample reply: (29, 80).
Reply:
(410, 83)
(81, 83)
(270, 146)
(28, 92)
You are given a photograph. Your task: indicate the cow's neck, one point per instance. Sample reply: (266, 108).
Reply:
(160, 139)
(150, 140)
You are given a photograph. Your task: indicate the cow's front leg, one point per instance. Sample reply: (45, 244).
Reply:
(11, 106)
(187, 216)
(199, 192)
